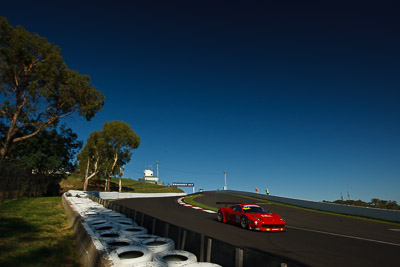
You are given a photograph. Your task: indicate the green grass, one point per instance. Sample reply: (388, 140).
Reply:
(35, 232)
(128, 186)
(191, 200)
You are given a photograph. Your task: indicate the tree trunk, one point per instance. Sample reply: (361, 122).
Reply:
(87, 176)
(108, 183)
(120, 181)
(112, 170)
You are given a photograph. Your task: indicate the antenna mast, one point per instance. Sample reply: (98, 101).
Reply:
(157, 168)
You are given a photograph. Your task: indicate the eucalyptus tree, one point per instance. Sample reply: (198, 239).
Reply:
(49, 152)
(107, 151)
(122, 140)
(92, 157)
(37, 89)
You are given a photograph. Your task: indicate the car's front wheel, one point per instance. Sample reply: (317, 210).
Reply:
(220, 216)
(244, 222)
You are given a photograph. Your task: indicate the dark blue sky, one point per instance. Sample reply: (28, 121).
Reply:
(301, 98)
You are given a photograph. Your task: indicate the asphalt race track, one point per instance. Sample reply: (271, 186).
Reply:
(312, 238)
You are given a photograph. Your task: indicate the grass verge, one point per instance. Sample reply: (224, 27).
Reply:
(35, 232)
(191, 200)
(128, 185)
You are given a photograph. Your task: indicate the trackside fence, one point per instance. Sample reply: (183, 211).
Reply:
(206, 249)
(17, 183)
(381, 214)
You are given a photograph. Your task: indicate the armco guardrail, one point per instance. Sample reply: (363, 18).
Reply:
(381, 214)
(206, 249)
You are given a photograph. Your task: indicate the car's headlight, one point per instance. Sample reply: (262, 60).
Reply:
(256, 217)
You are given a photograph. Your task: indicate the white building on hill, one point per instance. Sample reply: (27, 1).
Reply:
(149, 177)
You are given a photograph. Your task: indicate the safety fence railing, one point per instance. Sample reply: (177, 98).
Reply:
(16, 183)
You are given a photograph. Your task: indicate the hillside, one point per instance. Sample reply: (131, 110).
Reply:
(128, 185)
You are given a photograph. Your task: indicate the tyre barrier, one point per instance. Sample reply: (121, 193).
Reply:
(117, 240)
(91, 215)
(158, 244)
(202, 264)
(97, 221)
(150, 264)
(144, 236)
(104, 227)
(175, 258)
(124, 222)
(130, 255)
(133, 230)
(107, 235)
(114, 243)
(112, 214)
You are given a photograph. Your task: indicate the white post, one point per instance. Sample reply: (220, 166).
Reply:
(225, 187)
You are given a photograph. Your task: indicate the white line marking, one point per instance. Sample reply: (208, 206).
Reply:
(397, 230)
(209, 211)
(353, 237)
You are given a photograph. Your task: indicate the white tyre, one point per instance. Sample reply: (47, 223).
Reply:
(107, 235)
(97, 222)
(135, 230)
(150, 264)
(158, 244)
(91, 214)
(113, 215)
(124, 222)
(130, 255)
(143, 236)
(104, 227)
(119, 242)
(202, 264)
(175, 258)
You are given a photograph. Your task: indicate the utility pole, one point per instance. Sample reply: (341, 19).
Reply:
(225, 187)
(157, 168)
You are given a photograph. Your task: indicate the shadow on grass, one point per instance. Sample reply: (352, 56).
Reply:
(11, 227)
(21, 244)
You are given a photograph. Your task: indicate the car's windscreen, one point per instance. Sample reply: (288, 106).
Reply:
(254, 209)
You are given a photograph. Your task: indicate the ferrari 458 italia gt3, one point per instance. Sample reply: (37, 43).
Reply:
(250, 216)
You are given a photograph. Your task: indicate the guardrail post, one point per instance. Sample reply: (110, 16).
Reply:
(153, 228)
(183, 240)
(166, 229)
(209, 244)
(142, 221)
(201, 248)
(239, 257)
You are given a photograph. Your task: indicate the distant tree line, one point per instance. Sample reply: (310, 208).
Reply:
(375, 203)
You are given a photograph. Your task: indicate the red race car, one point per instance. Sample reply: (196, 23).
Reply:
(250, 216)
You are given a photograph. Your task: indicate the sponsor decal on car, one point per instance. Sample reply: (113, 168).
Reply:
(247, 207)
